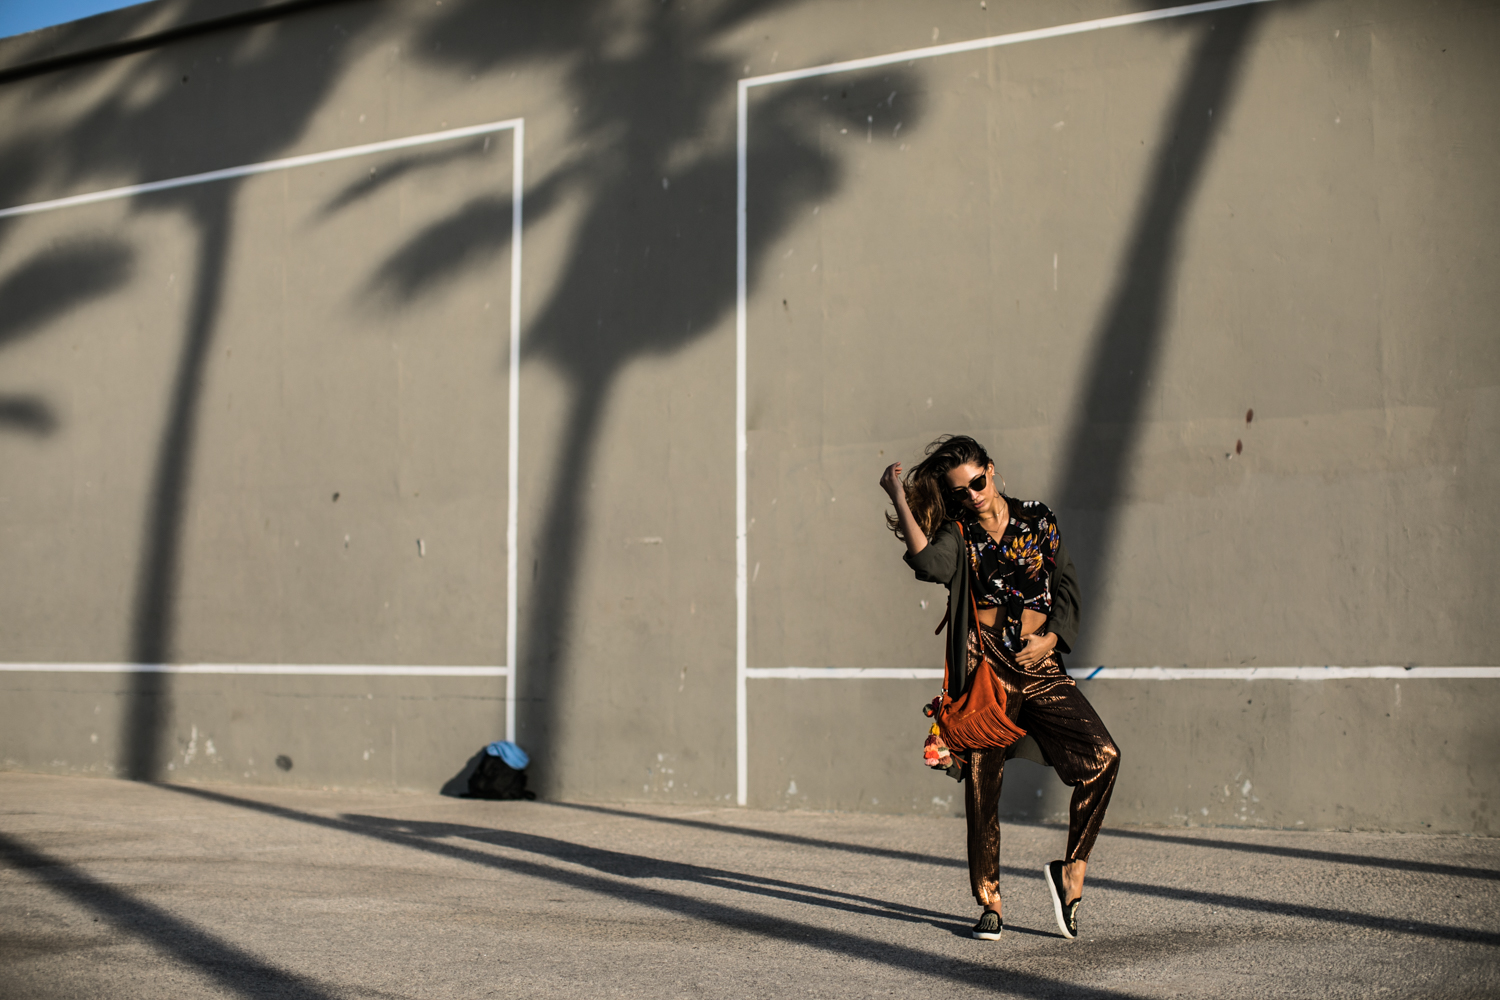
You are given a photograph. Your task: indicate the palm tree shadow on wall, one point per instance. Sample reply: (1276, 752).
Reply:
(1126, 350)
(147, 124)
(299, 64)
(652, 265)
(46, 286)
(644, 92)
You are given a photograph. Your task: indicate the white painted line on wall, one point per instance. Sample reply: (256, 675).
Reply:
(302, 669)
(1278, 673)
(741, 585)
(1143, 673)
(264, 167)
(741, 444)
(996, 41)
(513, 442)
(845, 673)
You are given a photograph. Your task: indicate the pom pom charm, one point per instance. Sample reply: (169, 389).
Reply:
(935, 753)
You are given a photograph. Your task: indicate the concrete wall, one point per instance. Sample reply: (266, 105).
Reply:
(1096, 253)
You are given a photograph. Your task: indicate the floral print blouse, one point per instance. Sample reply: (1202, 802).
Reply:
(1014, 573)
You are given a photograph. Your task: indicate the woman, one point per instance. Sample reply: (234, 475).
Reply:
(963, 532)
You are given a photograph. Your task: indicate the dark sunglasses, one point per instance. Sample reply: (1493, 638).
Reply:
(959, 493)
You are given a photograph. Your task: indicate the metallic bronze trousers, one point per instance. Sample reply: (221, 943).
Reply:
(1046, 703)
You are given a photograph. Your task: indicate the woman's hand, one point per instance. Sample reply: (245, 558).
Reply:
(890, 481)
(1039, 646)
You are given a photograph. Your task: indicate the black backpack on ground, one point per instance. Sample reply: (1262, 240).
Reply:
(495, 779)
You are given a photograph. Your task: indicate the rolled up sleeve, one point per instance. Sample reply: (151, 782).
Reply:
(938, 562)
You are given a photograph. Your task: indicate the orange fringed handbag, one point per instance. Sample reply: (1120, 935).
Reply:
(975, 719)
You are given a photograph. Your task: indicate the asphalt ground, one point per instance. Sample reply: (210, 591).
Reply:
(115, 889)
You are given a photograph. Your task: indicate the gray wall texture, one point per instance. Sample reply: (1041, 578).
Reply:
(229, 412)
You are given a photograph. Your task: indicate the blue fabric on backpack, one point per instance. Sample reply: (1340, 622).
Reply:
(507, 751)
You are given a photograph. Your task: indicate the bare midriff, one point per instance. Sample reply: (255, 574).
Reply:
(1031, 621)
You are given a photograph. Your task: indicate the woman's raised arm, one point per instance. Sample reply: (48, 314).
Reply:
(890, 481)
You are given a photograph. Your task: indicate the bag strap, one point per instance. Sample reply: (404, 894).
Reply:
(948, 621)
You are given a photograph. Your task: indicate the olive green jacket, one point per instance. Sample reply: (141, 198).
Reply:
(944, 561)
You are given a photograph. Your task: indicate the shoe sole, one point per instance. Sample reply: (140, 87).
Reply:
(987, 936)
(1057, 903)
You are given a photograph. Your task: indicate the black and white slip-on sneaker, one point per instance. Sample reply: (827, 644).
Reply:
(1066, 913)
(989, 927)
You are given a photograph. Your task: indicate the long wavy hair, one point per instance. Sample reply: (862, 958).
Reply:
(925, 485)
